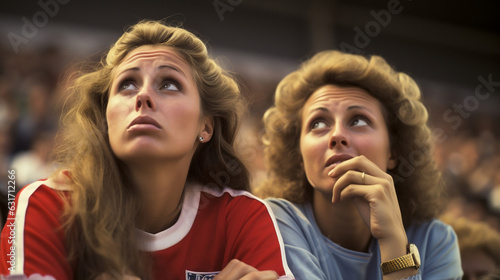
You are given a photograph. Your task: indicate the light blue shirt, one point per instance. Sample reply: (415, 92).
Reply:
(311, 255)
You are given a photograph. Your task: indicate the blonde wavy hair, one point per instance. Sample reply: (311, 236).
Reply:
(102, 208)
(417, 180)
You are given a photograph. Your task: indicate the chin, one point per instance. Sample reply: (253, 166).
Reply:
(146, 156)
(135, 158)
(324, 188)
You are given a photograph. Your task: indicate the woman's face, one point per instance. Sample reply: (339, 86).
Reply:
(339, 123)
(154, 109)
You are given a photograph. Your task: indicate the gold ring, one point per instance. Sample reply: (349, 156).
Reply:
(363, 178)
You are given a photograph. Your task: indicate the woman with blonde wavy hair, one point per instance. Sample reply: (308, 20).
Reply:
(356, 190)
(151, 187)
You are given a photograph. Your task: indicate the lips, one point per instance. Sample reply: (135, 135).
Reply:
(144, 120)
(336, 159)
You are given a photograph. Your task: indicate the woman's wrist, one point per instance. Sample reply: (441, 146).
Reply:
(393, 247)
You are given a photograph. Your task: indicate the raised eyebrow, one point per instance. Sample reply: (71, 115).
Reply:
(311, 112)
(321, 109)
(115, 78)
(159, 67)
(129, 69)
(353, 107)
(173, 68)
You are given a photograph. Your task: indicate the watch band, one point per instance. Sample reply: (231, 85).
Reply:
(396, 264)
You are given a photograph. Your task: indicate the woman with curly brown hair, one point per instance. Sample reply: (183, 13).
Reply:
(356, 190)
(151, 187)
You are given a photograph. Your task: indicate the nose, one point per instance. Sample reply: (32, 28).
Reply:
(145, 100)
(338, 137)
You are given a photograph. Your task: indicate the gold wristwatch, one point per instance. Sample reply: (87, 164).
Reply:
(411, 259)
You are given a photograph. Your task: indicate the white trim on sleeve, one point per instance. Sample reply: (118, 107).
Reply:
(20, 221)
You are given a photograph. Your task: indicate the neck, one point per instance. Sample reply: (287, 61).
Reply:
(341, 223)
(161, 185)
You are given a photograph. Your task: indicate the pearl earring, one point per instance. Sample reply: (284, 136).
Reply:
(201, 139)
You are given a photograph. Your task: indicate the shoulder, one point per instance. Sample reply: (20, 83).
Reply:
(237, 210)
(296, 221)
(437, 225)
(432, 230)
(39, 205)
(43, 192)
(229, 198)
(438, 246)
(39, 201)
(282, 203)
(234, 205)
(285, 210)
(441, 233)
(35, 219)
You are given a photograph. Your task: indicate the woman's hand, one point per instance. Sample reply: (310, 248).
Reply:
(374, 196)
(236, 269)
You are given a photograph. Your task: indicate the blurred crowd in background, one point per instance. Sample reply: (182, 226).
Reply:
(31, 90)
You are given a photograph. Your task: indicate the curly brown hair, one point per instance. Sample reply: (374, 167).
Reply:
(418, 182)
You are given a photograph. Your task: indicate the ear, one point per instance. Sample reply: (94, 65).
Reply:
(207, 129)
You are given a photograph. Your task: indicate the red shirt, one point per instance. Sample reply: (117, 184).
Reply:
(214, 227)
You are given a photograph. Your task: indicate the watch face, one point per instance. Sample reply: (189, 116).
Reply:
(416, 254)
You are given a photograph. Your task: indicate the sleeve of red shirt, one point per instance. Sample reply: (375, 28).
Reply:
(32, 239)
(253, 236)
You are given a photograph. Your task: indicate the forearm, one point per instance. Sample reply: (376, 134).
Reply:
(395, 247)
